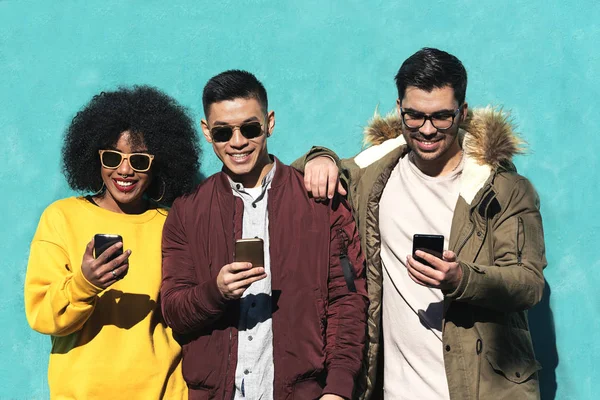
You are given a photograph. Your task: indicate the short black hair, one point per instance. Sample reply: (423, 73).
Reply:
(233, 84)
(152, 118)
(431, 68)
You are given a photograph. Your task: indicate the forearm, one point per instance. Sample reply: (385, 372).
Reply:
(314, 152)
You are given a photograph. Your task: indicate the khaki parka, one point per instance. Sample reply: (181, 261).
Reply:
(497, 236)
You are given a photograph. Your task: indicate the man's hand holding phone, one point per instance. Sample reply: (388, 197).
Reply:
(234, 278)
(444, 273)
(104, 270)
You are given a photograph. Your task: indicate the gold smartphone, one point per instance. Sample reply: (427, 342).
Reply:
(250, 250)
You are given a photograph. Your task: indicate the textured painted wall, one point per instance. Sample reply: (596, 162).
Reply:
(326, 66)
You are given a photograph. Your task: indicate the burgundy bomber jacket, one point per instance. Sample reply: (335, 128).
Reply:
(319, 325)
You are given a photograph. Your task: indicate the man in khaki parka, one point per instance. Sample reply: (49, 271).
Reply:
(434, 167)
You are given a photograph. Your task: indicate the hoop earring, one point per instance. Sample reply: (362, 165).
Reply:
(102, 189)
(164, 188)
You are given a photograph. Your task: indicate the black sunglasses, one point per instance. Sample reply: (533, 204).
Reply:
(223, 133)
(112, 159)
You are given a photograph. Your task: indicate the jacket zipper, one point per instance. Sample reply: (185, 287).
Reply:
(464, 242)
(478, 343)
(490, 240)
(228, 362)
(230, 329)
(347, 267)
(479, 351)
(520, 246)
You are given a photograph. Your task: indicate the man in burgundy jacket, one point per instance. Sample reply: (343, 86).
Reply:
(293, 328)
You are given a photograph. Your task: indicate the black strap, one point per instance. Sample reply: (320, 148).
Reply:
(347, 268)
(349, 274)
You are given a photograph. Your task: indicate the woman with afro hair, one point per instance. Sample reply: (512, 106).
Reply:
(132, 151)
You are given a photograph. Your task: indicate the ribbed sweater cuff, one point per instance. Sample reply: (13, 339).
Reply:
(82, 290)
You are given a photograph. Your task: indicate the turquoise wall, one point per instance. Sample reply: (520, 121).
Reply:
(326, 66)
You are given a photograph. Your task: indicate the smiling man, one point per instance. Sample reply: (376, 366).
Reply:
(453, 326)
(294, 325)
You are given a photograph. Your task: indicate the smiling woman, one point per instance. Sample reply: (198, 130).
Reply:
(125, 184)
(134, 150)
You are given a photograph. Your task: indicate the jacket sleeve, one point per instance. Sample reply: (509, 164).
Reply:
(515, 282)
(314, 152)
(350, 172)
(58, 298)
(187, 305)
(347, 310)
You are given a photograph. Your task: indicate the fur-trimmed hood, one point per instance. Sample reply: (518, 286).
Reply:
(487, 137)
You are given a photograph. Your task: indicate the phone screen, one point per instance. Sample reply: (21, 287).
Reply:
(432, 244)
(103, 241)
(250, 250)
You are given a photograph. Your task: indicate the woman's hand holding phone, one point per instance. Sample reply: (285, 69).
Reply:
(234, 279)
(102, 271)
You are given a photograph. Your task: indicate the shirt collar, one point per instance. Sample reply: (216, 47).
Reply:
(266, 182)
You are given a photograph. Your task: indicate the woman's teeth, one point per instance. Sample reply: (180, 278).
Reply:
(124, 184)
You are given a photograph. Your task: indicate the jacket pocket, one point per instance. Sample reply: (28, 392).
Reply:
(199, 394)
(321, 313)
(205, 360)
(307, 389)
(506, 377)
(517, 370)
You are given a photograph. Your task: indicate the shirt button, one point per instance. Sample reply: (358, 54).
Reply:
(447, 347)
(250, 338)
(253, 304)
(518, 375)
(246, 372)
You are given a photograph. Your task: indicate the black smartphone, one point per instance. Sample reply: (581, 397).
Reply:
(432, 244)
(250, 250)
(103, 241)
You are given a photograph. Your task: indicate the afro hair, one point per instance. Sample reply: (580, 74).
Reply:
(152, 118)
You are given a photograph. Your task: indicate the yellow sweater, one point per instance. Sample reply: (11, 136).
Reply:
(106, 344)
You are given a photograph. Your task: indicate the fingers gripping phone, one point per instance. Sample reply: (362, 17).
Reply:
(103, 241)
(432, 244)
(250, 250)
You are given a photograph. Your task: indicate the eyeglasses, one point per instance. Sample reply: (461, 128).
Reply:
(441, 120)
(224, 133)
(112, 159)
